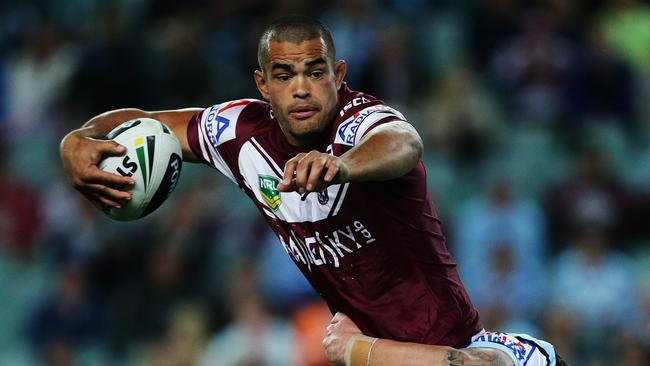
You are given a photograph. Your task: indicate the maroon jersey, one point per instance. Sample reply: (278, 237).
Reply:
(373, 250)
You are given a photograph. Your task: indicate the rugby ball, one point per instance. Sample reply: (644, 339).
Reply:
(153, 159)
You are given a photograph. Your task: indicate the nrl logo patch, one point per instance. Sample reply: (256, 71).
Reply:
(269, 190)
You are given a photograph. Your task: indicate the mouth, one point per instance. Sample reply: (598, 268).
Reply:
(303, 111)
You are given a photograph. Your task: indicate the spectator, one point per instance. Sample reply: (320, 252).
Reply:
(532, 69)
(594, 197)
(254, 337)
(499, 242)
(20, 214)
(37, 77)
(65, 320)
(461, 119)
(604, 85)
(594, 286)
(183, 341)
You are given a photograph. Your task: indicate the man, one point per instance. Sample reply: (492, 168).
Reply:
(346, 345)
(349, 205)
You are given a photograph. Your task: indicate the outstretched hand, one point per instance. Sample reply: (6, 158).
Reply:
(313, 172)
(338, 334)
(80, 156)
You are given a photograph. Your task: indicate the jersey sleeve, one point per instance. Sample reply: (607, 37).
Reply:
(359, 123)
(207, 132)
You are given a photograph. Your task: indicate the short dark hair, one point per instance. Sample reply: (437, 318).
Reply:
(294, 29)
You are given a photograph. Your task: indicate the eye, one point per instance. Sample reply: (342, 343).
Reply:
(283, 77)
(317, 74)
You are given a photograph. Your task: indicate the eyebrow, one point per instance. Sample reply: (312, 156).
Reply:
(289, 67)
(315, 62)
(285, 67)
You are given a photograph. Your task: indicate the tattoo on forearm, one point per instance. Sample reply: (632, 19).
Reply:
(455, 358)
(478, 357)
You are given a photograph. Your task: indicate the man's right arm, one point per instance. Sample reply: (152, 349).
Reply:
(82, 149)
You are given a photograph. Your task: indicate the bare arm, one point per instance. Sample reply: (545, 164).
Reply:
(100, 125)
(387, 352)
(388, 151)
(82, 149)
(346, 346)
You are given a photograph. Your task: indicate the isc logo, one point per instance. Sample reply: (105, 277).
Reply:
(130, 166)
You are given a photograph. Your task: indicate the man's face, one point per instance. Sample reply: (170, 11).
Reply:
(301, 84)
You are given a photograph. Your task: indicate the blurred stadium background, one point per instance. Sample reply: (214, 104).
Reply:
(536, 121)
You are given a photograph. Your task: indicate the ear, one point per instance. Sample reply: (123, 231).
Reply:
(340, 68)
(262, 86)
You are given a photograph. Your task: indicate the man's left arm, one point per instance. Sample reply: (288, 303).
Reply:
(345, 345)
(386, 152)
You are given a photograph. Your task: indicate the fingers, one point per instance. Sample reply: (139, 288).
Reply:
(100, 202)
(338, 317)
(95, 201)
(314, 180)
(302, 172)
(80, 156)
(288, 183)
(311, 172)
(110, 147)
(332, 170)
(106, 202)
(110, 193)
(97, 176)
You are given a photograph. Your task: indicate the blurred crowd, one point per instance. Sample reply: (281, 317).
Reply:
(536, 121)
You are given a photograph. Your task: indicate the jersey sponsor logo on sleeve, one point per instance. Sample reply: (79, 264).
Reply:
(269, 191)
(215, 124)
(347, 132)
(220, 120)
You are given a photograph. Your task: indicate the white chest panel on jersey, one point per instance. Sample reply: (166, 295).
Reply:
(262, 175)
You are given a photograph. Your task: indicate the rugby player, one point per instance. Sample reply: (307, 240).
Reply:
(345, 345)
(336, 174)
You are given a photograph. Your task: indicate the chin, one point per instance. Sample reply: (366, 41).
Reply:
(308, 136)
(307, 127)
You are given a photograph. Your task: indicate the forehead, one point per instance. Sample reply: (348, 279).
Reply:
(296, 53)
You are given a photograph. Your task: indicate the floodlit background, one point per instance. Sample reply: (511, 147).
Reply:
(536, 122)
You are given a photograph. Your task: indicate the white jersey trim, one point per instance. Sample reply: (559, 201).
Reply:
(212, 156)
(279, 171)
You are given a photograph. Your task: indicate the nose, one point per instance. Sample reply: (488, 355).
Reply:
(301, 87)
